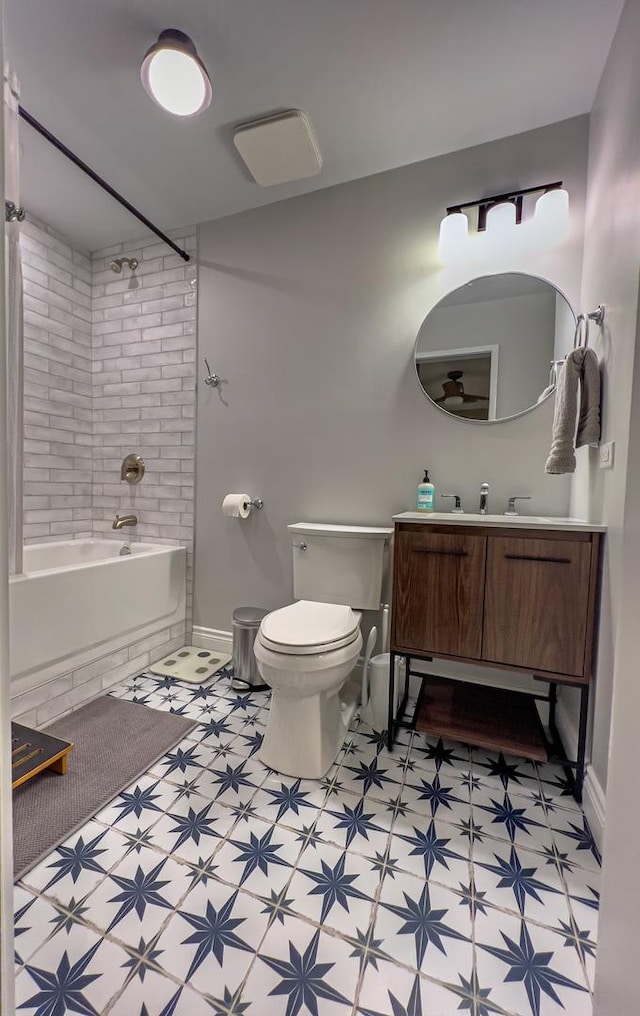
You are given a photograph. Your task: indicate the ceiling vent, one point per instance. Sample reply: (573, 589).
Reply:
(279, 148)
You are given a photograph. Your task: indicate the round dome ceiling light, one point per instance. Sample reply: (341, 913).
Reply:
(174, 76)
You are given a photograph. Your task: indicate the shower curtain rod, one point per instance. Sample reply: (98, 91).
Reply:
(77, 161)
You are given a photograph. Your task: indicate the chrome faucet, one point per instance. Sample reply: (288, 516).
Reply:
(484, 498)
(124, 520)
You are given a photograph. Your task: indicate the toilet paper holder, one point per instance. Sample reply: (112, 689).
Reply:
(255, 504)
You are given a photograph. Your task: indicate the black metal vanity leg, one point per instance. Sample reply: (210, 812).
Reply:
(582, 742)
(553, 698)
(391, 720)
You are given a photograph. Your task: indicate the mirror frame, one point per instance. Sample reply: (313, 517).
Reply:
(502, 419)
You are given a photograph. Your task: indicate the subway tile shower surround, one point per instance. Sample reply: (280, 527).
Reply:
(144, 390)
(58, 392)
(110, 368)
(434, 881)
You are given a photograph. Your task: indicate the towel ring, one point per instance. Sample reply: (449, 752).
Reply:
(581, 339)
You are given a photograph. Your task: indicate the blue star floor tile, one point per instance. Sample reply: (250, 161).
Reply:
(78, 972)
(389, 988)
(436, 794)
(431, 848)
(434, 879)
(291, 802)
(258, 856)
(572, 837)
(142, 802)
(231, 780)
(137, 897)
(194, 827)
(424, 926)
(533, 971)
(520, 880)
(36, 920)
(300, 970)
(333, 888)
(359, 824)
(211, 942)
(77, 866)
(155, 994)
(512, 818)
(438, 755)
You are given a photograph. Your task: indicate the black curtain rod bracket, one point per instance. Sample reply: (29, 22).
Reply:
(77, 161)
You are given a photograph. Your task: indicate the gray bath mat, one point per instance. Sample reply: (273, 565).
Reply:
(115, 742)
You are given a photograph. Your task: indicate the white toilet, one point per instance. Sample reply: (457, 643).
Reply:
(307, 651)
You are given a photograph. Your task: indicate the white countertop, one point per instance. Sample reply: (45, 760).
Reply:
(500, 521)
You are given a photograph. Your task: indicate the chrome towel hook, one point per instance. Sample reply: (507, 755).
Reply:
(212, 380)
(12, 213)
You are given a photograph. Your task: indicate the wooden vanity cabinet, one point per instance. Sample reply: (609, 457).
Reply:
(439, 591)
(519, 600)
(536, 607)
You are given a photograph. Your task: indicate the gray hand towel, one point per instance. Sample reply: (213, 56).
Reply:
(580, 372)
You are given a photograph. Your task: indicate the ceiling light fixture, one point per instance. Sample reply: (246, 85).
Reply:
(500, 219)
(174, 76)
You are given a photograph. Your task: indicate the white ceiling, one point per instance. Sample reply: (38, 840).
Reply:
(385, 83)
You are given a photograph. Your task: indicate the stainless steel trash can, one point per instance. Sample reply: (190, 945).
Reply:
(246, 621)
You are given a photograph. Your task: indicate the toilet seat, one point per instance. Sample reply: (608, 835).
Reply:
(308, 628)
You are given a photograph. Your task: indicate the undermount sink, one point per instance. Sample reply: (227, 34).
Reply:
(505, 521)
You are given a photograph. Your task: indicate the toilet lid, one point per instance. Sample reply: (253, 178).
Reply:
(307, 626)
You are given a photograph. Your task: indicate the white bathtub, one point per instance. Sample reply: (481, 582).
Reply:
(79, 595)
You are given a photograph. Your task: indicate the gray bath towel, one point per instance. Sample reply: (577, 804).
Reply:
(579, 374)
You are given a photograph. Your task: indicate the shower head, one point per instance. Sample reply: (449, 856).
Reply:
(117, 263)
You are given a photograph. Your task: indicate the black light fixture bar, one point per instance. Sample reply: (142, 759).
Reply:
(515, 197)
(77, 161)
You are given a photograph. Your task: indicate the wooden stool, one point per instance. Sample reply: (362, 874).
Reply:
(32, 751)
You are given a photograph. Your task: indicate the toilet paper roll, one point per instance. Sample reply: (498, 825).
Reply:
(236, 506)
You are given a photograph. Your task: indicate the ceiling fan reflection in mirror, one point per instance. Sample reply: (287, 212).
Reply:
(454, 393)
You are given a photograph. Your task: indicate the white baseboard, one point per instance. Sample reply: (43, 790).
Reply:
(594, 804)
(212, 638)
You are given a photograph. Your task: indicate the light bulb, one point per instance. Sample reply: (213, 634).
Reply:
(174, 76)
(454, 238)
(551, 217)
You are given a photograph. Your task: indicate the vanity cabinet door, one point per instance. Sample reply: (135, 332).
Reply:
(537, 604)
(439, 592)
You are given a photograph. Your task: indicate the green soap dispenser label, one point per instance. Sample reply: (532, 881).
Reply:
(425, 500)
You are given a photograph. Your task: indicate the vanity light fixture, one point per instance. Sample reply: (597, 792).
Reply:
(497, 218)
(174, 76)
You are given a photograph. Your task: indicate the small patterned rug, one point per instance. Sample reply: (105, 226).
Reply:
(115, 742)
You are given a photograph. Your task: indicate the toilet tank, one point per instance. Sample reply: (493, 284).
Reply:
(339, 564)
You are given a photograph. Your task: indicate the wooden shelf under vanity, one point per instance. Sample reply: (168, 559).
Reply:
(493, 718)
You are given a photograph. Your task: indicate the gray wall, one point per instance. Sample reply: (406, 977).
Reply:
(611, 271)
(309, 309)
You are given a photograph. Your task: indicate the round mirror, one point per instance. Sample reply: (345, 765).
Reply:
(491, 349)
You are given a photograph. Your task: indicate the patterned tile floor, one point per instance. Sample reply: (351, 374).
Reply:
(433, 881)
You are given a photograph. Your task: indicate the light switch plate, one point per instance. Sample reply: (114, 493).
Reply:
(606, 455)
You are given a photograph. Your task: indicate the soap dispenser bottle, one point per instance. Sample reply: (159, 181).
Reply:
(426, 494)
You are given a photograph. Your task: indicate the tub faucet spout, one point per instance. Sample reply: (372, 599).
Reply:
(124, 520)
